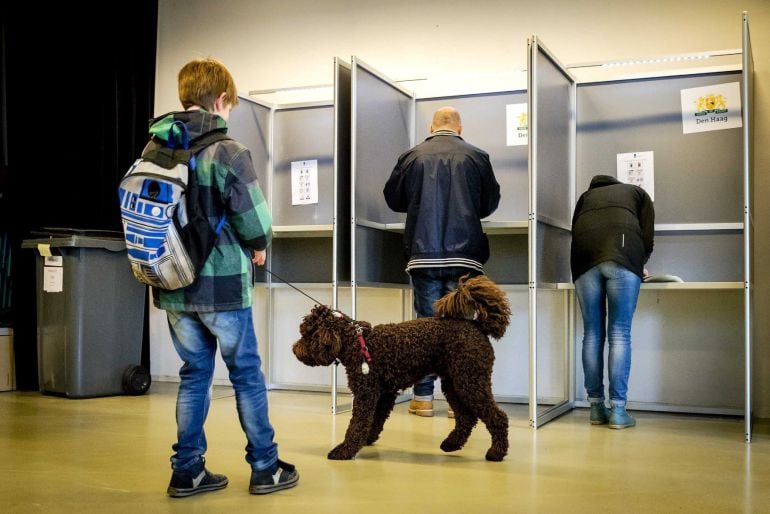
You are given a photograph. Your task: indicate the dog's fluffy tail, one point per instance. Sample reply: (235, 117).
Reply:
(479, 299)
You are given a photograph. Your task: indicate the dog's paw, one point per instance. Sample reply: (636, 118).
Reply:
(341, 452)
(450, 445)
(495, 455)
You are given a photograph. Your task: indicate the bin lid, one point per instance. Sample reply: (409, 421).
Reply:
(55, 237)
(88, 232)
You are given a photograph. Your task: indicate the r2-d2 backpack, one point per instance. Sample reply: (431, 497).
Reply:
(168, 237)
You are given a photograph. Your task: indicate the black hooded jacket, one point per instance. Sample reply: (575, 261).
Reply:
(612, 222)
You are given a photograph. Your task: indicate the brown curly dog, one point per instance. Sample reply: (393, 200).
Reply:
(391, 357)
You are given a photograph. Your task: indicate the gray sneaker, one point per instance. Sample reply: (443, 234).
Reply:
(282, 476)
(619, 418)
(600, 414)
(189, 482)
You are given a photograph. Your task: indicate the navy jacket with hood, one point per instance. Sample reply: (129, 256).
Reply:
(445, 186)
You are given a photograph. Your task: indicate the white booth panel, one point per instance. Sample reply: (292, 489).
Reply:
(288, 309)
(510, 377)
(687, 351)
(375, 305)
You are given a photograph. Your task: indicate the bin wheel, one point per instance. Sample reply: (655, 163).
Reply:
(136, 380)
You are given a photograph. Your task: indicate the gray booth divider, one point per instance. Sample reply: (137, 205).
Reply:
(747, 65)
(382, 129)
(551, 99)
(250, 124)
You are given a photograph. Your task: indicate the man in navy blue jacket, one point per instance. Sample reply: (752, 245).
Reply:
(445, 186)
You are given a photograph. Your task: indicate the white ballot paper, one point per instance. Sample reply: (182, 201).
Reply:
(304, 182)
(638, 168)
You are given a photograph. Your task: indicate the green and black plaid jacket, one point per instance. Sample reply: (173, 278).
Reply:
(228, 185)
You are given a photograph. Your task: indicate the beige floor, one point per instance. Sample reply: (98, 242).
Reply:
(111, 455)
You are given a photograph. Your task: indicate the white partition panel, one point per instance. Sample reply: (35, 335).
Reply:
(685, 359)
(510, 377)
(288, 309)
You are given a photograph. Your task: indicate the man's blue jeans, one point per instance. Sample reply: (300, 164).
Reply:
(195, 336)
(607, 294)
(429, 285)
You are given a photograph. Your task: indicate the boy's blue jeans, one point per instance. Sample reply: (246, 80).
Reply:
(607, 293)
(195, 336)
(429, 285)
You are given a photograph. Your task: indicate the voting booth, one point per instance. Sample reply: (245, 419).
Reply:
(679, 126)
(682, 132)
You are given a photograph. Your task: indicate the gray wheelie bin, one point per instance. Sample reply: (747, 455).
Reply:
(90, 314)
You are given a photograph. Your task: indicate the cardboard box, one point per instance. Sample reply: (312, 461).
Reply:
(7, 370)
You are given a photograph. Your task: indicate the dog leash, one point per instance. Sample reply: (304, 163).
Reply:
(292, 285)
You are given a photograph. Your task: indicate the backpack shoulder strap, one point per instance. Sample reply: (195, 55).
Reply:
(196, 146)
(201, 142)
(167, 157)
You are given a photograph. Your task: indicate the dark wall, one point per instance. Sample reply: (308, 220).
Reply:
(78, 98)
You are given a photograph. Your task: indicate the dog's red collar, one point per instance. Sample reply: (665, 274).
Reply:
(363, 349)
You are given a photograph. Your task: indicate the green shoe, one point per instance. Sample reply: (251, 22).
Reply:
(619, 418)
(600, 414)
